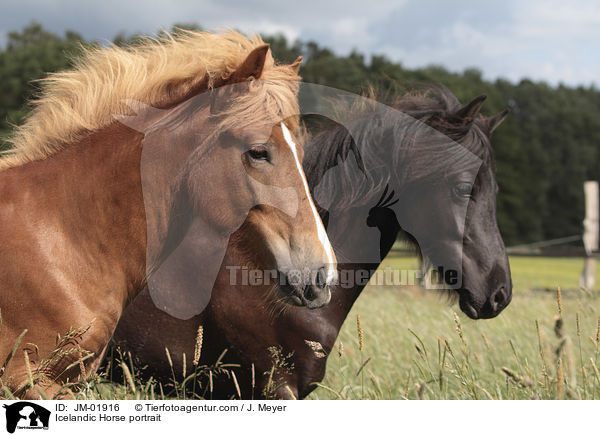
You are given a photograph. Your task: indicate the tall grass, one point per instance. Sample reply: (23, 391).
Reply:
(545, 345)
(410, 344)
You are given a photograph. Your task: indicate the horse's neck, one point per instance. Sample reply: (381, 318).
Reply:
(87, 199)
(344, 296)
(318, 162)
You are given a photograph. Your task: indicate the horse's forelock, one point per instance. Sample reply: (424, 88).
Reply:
(266, 102)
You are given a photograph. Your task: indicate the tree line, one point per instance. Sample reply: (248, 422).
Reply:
(544, 151)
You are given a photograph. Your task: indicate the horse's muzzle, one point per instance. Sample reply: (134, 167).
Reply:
(489, 308)
(312, 294)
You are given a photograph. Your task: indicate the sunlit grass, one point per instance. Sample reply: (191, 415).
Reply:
(416, 350)
(416, 345)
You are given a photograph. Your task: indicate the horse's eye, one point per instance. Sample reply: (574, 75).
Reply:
(462, 190)
(259, 152)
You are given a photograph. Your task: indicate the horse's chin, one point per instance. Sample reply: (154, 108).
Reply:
(289, 297)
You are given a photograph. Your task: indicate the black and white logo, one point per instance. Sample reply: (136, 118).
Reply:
(26, 415)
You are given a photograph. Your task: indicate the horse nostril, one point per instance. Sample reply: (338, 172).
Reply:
(498, 300)
(312, 291)
(321, 278)
(317, 293)
(309, 293)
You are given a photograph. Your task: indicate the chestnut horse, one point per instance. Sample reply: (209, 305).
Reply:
(91, 209)
(249, 330)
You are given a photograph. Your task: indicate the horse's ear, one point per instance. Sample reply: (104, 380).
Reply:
(296, 64)
(491, 123)
(252, 66)
(469, 112)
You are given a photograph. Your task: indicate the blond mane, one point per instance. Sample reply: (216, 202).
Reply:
(86, 98)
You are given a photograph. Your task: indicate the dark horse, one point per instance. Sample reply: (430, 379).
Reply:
(249, 330)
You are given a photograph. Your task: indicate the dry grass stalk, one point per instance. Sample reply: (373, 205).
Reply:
(28, 369)
(13, 351)
(82, 369)
(560, 380)
(169, 357)
(289, 390)
(485, 341)
(253, 371)
(595, 369)
(360, 332)
(546, 362)
(317, 348)
(128, 376)
(408, 383)
(459, 329)
(67, 354)
(524, 382)
(564, 355)
(198, 347)
(236, 384)
(363, 366)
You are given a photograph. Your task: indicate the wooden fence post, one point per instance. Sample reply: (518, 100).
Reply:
(590, 234)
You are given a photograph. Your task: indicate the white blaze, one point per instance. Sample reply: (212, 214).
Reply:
(331, 272)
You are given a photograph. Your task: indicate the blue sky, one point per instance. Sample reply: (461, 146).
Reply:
(555, 41)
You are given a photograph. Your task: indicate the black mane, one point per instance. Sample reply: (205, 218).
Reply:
(411, 127)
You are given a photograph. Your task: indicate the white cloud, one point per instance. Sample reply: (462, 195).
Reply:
(539, 40)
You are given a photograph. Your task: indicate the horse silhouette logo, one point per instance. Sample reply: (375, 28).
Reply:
(26, 415)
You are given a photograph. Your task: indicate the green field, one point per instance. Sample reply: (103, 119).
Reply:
(416, 345)
(415, 348)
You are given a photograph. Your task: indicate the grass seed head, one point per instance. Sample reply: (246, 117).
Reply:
(169, 357)
(317, 348)
(198, 346)
(359, 330)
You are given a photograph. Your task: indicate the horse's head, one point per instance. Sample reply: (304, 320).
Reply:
(281, 220)
(421, 167)
(486, 286)
(453, 213)
(225, 156)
